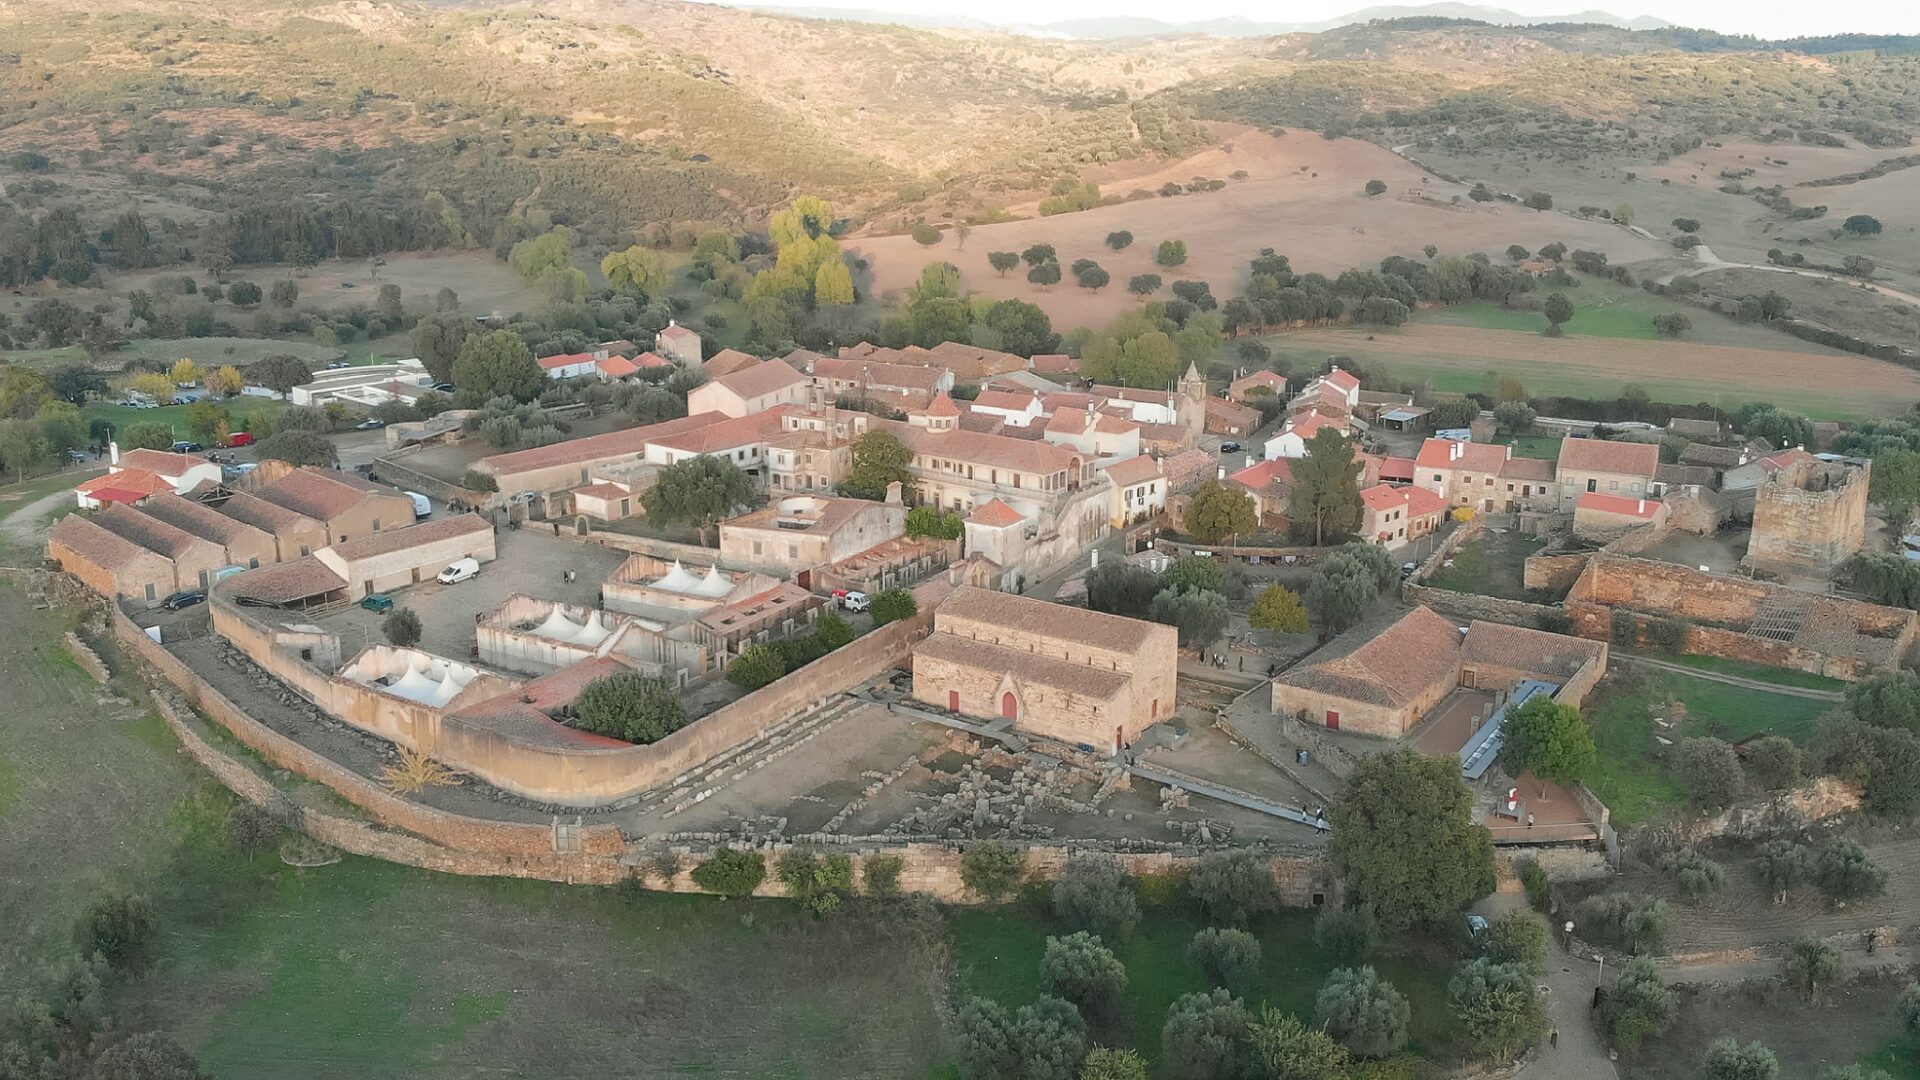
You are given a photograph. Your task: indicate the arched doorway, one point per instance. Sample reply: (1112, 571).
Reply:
(1009, 706)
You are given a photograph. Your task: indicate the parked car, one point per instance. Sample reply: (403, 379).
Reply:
(1229, 447)
(184, 447)
(1407, 569)
(369, 425)
(459, 570)
(377, 603)
(855, 601)
(240, 438)
(180, 601)
(337, 365)
(421, 506)
(443, 388)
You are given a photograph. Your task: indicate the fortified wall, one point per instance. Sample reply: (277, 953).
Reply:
(1810, 517)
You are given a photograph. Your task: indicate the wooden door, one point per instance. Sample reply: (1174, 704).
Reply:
(1333, 720)
(1009, 706)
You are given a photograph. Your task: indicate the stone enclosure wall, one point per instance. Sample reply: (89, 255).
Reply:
(1809, 518)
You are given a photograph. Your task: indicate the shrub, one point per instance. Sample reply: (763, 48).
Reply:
(1639, 1004)
(1637, 924)
(992, 869)
(1782, 865)
(1908, 1009)
(1846, 872)
(636, 708)
(1046, 1040)
(731, 873)
(1228, 957)
(892, 605)
(1728, 1060)
(1516, 938)
(149, 1055)
(475, 480)
(756, 666)
(1710, 771)
(1497, 1005)
(1376, 187)
(1533, 877)
(1104, 1063)
(1287, 1048)
(1349, 934)
(1095, 894)
(926, 235)
(1773, 763)
(1231, 885)
(881, 875)
(1693, 874)
(1363, 1012)
(1171, 253)
(819, 882)
(119, 928)
(402, 627)
(1081, 969)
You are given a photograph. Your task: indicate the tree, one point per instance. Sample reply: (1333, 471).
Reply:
(992, 869)
(1094, 894)
(146, 435)
(149, 1055)
(1171, 253)
(1232, 885)
(1080, 969)
(1218, 512)
(636, 708)
(61, 427)
(1287, 1049)
(756, 666)
(878, 459)
(74, 384)
(226, 381)
(925, 521)
(1326, 486)
(1044, 274)
(1516, 253)
(1779, 427)
(1092, 277)
(1348, 934)
(1809, 965)
(1229, 957)
(1558, 309)
(1710, 770)
(1120, 588)
(1693, 874)
(1144, 284)
(1405, 840)
(284, 293)
(498, 364)
(1024, 328)
(1908, 1009)
(1206, 1037)
(1200, 616)
(1039, 253)
(926, 235)
(283, 372)
(1516, 938)
(699, 491)
(1120, 240)
(1672, 324)
(1845, 871)
(1480, 193)
(1362, 1012)
(1726, 1059)
(208, 421)
(298, 448)
(437, 340)
(892, 605)
(1548, 739)
(1279, 609)
(1638, 1005)
(1376, 187)
(1514, 417)
(1783, 865)
(1773, 763)
(1342, 585)
(1107, 1064)
(1193, 572)
(1539, 200)
(1858, 265)
(120, 928)
(402, 627)
(1497, 1006)
(1862, 225)
(833, 284)
(1003, 261)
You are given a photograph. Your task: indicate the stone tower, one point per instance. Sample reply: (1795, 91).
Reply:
(1191, 405)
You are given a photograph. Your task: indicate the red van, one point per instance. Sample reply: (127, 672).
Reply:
(240, 438)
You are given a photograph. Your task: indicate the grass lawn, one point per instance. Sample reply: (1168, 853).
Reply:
(1544, 447)
(1899, 1059)
(997, 951)
(1492, 565)
(1616, 316)
(175, 416)
(1633, 777)
(208, 352)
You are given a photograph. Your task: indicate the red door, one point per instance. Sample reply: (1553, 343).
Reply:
(1333, 720)
(953, 701)
(1009, 706)
(1119, 739)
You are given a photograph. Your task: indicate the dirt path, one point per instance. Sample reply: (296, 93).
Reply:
(1853, 962)
(1735, 680)
(1709, 261)
(26, 527)
(1569, 980)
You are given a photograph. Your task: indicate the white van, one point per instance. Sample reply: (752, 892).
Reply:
(460, 570)
(421, 507)
(855, 601)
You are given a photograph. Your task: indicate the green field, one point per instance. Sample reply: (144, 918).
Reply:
(1599, 310)
(207, 352)
(1633, 777)
(1778, 676)
(1492, 564)
(175, 416)
(997, 952)
(1545, 447)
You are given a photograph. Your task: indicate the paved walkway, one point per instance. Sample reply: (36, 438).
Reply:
(1736, 680)
(1226, 795)
(1569, 981)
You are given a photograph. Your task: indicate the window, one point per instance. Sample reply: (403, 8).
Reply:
(1634, 487)
(303, 551)
(1593, 485)
(1438, 479)
(1613, 485)
(756, 547)
(793, 551)
(376, 524)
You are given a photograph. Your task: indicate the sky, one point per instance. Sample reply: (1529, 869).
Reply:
(1772, 20)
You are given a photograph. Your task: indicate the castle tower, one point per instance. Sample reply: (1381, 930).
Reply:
(1192, 403)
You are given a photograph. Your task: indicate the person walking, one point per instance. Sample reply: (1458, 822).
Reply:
(1553, 1038)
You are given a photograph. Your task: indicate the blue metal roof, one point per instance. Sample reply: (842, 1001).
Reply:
(1484, 747)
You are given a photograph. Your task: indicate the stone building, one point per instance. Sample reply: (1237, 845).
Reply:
(109, 565)
(244, 545)
(396, 558)
(194, 559)
(1075, 676)
(1810, 516)
(801, 532)
(348, 506)
(751, 390)
(1602, 519)
(679, 344)
(1607, 468)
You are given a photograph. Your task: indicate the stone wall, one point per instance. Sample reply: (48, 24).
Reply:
(1469, 606)
(391, 470)
(88, 660)
(1809, 518)
(1556, 572)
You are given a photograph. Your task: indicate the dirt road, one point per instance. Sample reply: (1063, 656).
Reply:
(1710, 261)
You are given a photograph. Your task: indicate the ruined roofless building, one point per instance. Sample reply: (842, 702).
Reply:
(1810, 517)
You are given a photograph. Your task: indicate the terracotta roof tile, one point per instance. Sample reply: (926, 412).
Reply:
(1537, 652)
(1134, 470)
(163, 462)
(412, 536)
(729, 362)
(284, 583)
(995, 514)
(1601, 455)
(149, 532)
(943, 406)
(322, 494)
(1526, 468)
(202, 520)
(1601, 502)
(1470, 456)
(1082, 679)
(1093, 628)
(1394, 668)
(613, 444)
(95, 544)
(141, 481)
(265, 516)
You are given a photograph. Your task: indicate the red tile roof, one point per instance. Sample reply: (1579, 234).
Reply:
(995, 514)
(163, 462)
(322, 494)
(729, 362)
(1474, 457)
(1418, 502)
(1343, 379)
(878, 373)
(761, 379)
(1258, 476)
(616, 367)
(1005, 399)
(1397, 468)
(137, 481)
(1135, 470)
(1098, 629)
(1526, 468)
(943, 406)
(149, 532)
(602, 490)
(413, 536)
(1054, 362)
(268, 517)
(676, 332)
(1308, 424)
(95, 544)
(202, 520)
(551, 363)
(1776, 462)
(1601, 502)
(1394, 669)
(652, 360)
(729, 434)
(613, 444)
(1604, 456)
(283, 583)
(117, 495)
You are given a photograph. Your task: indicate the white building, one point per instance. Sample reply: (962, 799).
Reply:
(366, 386)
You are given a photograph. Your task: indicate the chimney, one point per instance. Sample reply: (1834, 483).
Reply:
(1643, 506)
(1453, 450)
(113, 453)
(893, 494)
(1223, 473)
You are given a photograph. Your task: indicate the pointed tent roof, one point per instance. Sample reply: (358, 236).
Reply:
(943, 405)
(677, 580)
(557, 625)
(995, 514)
(714, 584)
